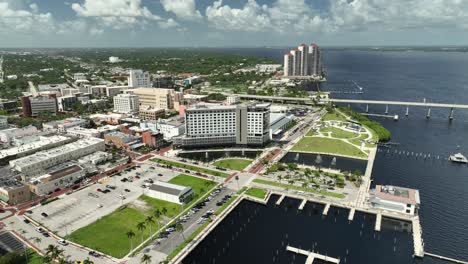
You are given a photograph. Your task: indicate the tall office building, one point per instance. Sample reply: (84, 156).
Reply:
(126, 103)
(33, 106)
(138, 78)
(209, 125)
(306, 60)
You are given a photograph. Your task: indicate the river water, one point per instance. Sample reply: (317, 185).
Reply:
(401, 76)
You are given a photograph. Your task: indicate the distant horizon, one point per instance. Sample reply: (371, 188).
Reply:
(234, 47)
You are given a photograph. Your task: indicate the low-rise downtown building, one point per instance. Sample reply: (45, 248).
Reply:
(65, 124)
(170, 128)
(149, 113)
(170, 192)
(6, 135)
(397, 199)
(56, 178)
(126, 103)
(121, 140)
(36, 164)
(13, 191)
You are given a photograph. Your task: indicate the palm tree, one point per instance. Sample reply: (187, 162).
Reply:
(146, 259)
(141, 227)
(130, 235)
(180, 228)
(237, 180)
(157, 215)
(164, 211)
(150, 220)
(37, 240)
(50, 250)
(87, 261)
(280, 178)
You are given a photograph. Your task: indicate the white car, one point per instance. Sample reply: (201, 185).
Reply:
(39, 229)
(62, 242)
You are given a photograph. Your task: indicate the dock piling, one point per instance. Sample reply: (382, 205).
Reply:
(325, 210)
(378, 222)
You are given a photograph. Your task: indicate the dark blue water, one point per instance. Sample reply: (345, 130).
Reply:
(254, 233)
(413, 76)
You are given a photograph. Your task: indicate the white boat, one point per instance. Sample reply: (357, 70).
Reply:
(458, 158)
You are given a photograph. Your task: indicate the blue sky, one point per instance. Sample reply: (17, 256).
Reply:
(194, 23)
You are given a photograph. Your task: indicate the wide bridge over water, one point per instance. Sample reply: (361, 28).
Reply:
(402, 103)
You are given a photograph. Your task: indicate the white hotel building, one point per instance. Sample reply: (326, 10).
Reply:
(306, 60)
(126, 103)
(36, 164)
(209, 125)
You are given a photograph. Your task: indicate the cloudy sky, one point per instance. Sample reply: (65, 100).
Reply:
(191, 23)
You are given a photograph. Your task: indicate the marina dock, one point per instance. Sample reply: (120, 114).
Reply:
(351, 214)
(280, 199)
(301, 206)
(445, 258)
(325, 210)
(378, 222)
(417, 238)
(311, 256)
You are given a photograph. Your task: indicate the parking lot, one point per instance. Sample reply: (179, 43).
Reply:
(168, 241)
(85, 206)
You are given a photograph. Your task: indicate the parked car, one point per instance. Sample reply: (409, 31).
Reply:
(45, 234)
(111, 187)
(99, 190)
(127, 190)
(62, 242)
(94, 254)
(160, 174)
(26, 221)
(99, 205)
(44, 214)
(39, 229)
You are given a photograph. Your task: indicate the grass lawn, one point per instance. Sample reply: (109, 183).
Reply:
(108, 234)
(257, 192)
(311, 133)
(327, 145)
(190, 167)
(333, 116)
(338, 133)
(233, 164)
(199, 186)
(299, 188)
(34, 257)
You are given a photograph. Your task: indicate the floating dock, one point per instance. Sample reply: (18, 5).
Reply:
(325, 210)
(378, 222)
(351, 214)
(280, 199)
(311, 256)
(302, 204)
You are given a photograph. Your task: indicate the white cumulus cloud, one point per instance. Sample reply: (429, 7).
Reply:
(183, 9)
(24, 20)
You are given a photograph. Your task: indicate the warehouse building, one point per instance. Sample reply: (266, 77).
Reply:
(170, 192)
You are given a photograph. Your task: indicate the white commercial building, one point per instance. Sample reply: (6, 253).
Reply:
(6, 135)
(83, 132)
(37, 144)
(393, 198)
(170, 128)
(226, 125)
(267, 68)
(279, 122)
(64, 125)
(170, 192)
(36, 163)
(126, 103)
(113, 59)
(139, 78)
(233, 99)
(58, 178)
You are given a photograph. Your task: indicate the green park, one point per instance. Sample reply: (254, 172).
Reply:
(233, 163)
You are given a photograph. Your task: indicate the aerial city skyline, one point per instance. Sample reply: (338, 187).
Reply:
(223, 131)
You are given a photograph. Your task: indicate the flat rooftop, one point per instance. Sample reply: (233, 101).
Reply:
(397, 194)
(169, 188)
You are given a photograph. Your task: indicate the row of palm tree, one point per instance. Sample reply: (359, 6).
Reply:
(149, 221)
(141, 226)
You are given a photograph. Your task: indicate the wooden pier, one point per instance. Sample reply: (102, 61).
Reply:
(311, 256)
(351, 214)
(301, 206)
(280, 199)
(325, 210)
(378, 222)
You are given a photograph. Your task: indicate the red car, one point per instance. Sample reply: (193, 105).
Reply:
(138, 177)
(99, 190)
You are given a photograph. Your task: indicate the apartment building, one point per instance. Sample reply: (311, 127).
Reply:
(126, 103)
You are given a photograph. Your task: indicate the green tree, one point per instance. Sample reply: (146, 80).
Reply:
(150, 220)
(130, 235)
(146, 259)
(157, 214)
(141, 227)
(180, 228)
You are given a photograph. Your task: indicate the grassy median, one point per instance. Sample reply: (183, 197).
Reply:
(190, 167)
(233, 164)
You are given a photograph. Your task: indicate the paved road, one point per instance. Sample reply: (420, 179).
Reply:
(160, 250)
